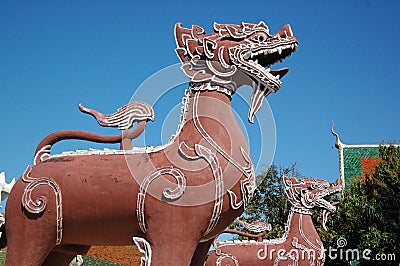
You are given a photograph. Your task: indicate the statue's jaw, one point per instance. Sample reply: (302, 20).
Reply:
(260, 91)
(253, 58)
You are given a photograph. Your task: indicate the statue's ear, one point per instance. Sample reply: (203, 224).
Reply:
(235, 32)
(263, 25)
(289, 181)
(285, 179)
(181, 34)
(217, 27)
(197, 31)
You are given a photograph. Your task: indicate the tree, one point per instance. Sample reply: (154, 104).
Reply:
(368, 216)
(269, 202)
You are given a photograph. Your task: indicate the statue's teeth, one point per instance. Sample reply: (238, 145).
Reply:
(279, 50)
(247, 55)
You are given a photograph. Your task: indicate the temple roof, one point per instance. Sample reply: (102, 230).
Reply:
(353, 157)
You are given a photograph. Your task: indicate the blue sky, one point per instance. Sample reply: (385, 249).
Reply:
(54, 54)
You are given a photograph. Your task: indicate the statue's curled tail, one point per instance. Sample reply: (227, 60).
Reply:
(124, 118)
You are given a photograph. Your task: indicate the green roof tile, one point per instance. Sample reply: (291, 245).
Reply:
(352, 160)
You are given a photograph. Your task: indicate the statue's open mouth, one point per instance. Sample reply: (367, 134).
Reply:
(326, 205)
(256, 58)
(266, 52)
(261, 62)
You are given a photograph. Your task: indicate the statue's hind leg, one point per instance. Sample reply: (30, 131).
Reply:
(167, 250)
(29, 243)
(177, 253)
(201, 253)
(30, 237)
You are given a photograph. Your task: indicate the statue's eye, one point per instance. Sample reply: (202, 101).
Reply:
(262, 38)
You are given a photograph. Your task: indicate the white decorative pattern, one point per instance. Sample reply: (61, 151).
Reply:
(39, 204)
(247, 185)
(209, 87)
(145, 248)
(42, 154)
(212, 160)
(319, 248)
(223, 258)
(235, 203)
(124, 117)
(256, 227)
(168, 193)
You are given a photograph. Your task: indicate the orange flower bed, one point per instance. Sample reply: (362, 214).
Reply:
(125, 255)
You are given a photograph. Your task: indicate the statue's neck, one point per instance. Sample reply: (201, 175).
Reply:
(209, 101)
(209, 116)
(298, 220)
(301, 226)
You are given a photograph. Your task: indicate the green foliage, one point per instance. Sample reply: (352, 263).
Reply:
(368, 216)
(269, 202)
(88, 261)
(2, 257)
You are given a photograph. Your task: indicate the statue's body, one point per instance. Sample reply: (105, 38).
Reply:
(171, 200)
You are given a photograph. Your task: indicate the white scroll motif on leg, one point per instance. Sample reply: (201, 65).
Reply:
(210, 157)
(247, 185)
(39, 205)
(167, 193)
